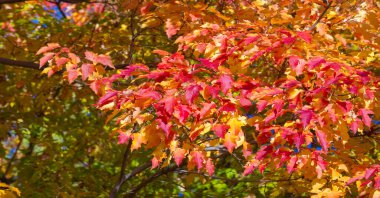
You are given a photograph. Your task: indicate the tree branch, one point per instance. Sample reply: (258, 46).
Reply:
(129, 175)
(117, 186)
(145, 182)
(320, 17)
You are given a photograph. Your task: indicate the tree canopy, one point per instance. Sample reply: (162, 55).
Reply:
(190, 98)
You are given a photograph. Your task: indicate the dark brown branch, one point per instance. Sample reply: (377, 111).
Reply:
(117, 186)
(320, 17)
(134, 190)
(129, 175)
(60, 9)
(17, 63)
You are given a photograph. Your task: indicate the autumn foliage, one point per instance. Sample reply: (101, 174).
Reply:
(288, 88)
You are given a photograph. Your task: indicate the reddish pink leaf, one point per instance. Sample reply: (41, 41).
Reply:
(377, 181)
(228, 107)
(123, 138)
(72, 75)
(305, 35)
(226, 83)
(107, 98)
(210, 167)
(291, 164)
(289, 40)
(49, 47)
(134, 69)
(248, 169)
(198, 159)
(306, 116)
(322, 140)
(210, 64)
(46, 58)
(170, 28)
(369, 172)
(315, 62)
(184, 112)
(192, 92)
(165, 127)
(87, 69)
(220, 130)
(264, 151)
(365, 116)
(155, 162)
(105, 60)
(261, 104)
(206, 108)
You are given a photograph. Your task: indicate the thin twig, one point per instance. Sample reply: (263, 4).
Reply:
(321, 16)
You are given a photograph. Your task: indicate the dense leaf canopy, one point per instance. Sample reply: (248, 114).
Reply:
(190, 98)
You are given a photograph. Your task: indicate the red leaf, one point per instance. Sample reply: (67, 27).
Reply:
(366, 119)
(134, 69)
(87, 69)
(169, 104)
(370, 172)
(184, 112)
(261, 104)
(250, 39)
(155, 162)
(315, 62)
(123, 138)
(49, 47)
(210, 64)
(220, 130)
(192, 92)
(105, 60)
(170, 28)
(198, 159)
(305, 35)
(264, 151)
(107, 98)
(377, 181)
(248, 169)
(206, 108)
(228, 107)
(179, 155)
(46, 58)
(291, 164)
(306, 116)
(297, 64)
(210, 167)
(289, 40)
(226, 83)
(72, 75)
(322, 140)
(165, 127)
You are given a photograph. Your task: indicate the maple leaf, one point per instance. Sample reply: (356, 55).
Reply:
(170, 28)
(315, 62)
(49, 47)
(305, 35)
(198, 159)
(220, 130)
(210, 167)
(46, 58)
(291, 164)
(179, 155)
(192, 92)
(366, 119)
(264, 151)
(306, 115)
(322, 140)
(226, 83)
(72, 75)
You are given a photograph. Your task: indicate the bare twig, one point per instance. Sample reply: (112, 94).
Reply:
(321, 16)
(117, 186)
